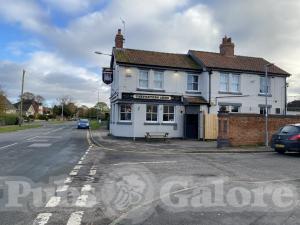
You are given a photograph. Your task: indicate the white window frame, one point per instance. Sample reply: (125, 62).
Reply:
(151, 113)
(230, 107)
(140, 79)
(120, 112)
(168, 113)
(161, 73)
(226, 76)
(193, 75)
(229, 82)
(261, 82)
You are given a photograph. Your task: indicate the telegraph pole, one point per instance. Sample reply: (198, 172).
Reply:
(21, 105)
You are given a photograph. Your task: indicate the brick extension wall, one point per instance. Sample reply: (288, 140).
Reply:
(249, 129)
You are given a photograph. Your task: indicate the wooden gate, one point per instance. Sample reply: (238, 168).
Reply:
(210, 127)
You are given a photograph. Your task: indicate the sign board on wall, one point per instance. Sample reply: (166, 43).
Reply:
(153, 97)
(107, 75)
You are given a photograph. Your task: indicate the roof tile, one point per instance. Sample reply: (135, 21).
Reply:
(240, 63)
(141, 57)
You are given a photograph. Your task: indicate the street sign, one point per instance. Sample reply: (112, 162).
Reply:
(107, 75)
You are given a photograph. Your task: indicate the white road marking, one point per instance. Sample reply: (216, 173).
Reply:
(136, 163)
(86, 188)
(82, 201)
(62, 188)
(51, 131)
(77, 167)
(75, 218)
(8, 145)
(42, 219)
(73, 173)
(40, 145)
(79, 162)
(92, 172)
(53, 202)
(28, 139)
(68, 180)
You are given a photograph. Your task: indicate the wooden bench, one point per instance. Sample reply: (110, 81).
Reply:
(156, 135)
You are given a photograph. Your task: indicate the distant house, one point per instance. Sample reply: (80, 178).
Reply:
(9, 107)
(293, 108)
(30, 108)
(47, 111)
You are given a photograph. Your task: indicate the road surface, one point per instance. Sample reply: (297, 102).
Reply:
(61, 178)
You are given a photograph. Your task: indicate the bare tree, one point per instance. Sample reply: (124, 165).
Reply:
(28, 96)
(39, 99)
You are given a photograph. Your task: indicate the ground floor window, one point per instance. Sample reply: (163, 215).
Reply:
(235, 108)
(125, 112)
(151, 113)
(262, 110)
(168, 113)
(230, 108)
(277, 110)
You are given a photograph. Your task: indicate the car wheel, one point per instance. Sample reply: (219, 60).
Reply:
(280, 151)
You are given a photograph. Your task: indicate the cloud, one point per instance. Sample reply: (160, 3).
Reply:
(70, 6)
(267, 29)
(51, 76)
(27, 13)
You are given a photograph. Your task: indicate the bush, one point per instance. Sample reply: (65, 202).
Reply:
(41, 117)
(8, 119)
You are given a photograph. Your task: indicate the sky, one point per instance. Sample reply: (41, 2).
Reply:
(55, 40)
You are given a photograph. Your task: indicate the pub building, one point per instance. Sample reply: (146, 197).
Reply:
(170, 93)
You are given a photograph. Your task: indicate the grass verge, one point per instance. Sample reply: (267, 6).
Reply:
(13, 128)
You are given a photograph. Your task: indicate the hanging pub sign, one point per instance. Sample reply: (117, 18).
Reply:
(107, 75)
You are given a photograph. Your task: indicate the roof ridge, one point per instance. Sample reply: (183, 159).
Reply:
(230, 57)
(170, 53)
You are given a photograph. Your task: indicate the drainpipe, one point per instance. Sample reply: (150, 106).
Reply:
(209, 90)
(285, 97)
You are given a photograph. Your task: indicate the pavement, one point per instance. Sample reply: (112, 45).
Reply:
(101, 138)
(74, 182)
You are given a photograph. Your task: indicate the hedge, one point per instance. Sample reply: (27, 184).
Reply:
(8, 119)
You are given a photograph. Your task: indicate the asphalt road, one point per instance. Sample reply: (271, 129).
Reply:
(104, 187)
(36, 156)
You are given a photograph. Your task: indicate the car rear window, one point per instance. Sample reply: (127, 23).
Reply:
(83, 120)
(290, 129)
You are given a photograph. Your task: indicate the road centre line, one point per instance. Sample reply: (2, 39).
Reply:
(62, 188)
(42, 219)
(53, 202)
(6, 146)
(136, 163)
(68, 180)
(81, 201)
(75, 218)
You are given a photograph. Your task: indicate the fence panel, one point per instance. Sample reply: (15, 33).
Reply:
(210, 126)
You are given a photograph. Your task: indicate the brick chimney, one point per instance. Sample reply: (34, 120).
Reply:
(119, 39)
(227, 47)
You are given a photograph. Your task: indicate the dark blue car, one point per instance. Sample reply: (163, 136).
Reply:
(83, 124)
(287, 139)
